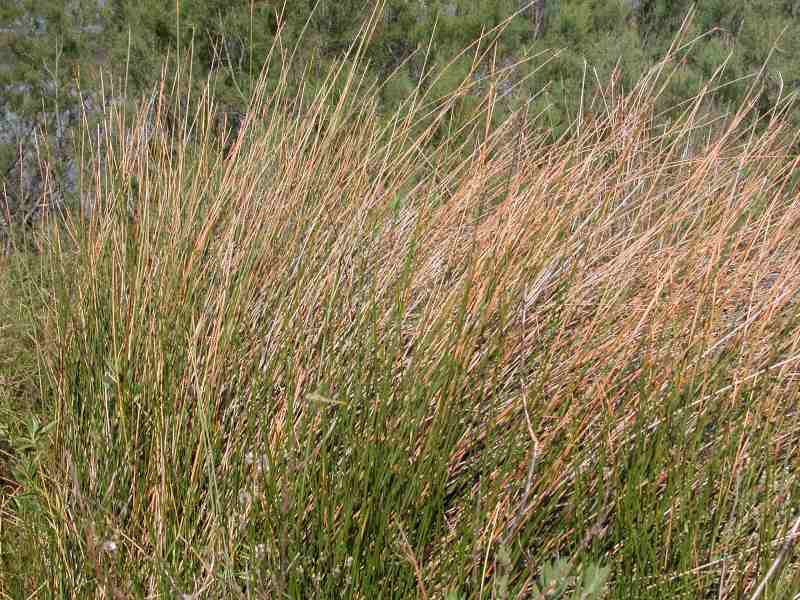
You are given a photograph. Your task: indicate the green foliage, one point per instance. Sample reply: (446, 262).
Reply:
(231, 42)
(560, 580)
(43, 51)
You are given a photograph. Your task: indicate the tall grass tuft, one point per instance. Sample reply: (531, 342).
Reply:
(328, 358)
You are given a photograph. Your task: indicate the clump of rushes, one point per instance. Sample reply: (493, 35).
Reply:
(330, 358)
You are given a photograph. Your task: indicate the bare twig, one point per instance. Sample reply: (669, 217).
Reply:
(409, 552)
(777, 564)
